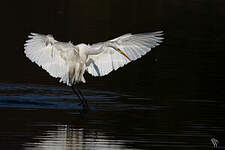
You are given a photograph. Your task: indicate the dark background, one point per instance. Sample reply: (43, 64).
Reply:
(172, 98)
(189, 63)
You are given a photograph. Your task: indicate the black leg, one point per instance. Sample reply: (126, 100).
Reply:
(76, 93)
(83, 101)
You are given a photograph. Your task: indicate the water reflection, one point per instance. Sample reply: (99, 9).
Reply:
(65, 138)
(45, 117)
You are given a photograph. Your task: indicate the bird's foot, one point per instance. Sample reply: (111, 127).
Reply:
(84, 106)
(84, 109)
(80, 104)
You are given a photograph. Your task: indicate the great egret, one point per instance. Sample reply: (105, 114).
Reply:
(69, 62)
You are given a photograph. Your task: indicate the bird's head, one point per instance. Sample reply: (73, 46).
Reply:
(124, 54)
(118, 50)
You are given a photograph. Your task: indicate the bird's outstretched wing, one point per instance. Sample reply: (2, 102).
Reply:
(42, 50)
(134, 46)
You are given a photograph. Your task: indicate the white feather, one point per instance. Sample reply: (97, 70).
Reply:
(49, 54)
(134, 46)
(68, 62)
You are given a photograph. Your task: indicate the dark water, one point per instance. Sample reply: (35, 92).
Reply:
(47, 117)
(172, 98)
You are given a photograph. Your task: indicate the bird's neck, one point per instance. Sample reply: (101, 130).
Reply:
(88, 50)
(94, 51)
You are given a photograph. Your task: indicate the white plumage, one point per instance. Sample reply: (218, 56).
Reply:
(69, 62)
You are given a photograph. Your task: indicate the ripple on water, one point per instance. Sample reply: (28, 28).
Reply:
(51, 97)
(45, 117)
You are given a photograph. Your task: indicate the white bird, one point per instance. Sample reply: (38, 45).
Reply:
(69, 62)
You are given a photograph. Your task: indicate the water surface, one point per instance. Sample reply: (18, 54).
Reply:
(48, 117)
(171, 99)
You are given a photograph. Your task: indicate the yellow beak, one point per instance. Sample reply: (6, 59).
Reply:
(124, 54)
